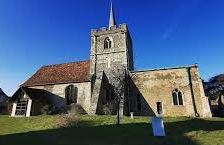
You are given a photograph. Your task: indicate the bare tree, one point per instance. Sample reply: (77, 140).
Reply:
(214, 89)
(215, 86)
(118, 85)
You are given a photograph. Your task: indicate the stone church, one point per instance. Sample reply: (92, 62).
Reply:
(92, 86)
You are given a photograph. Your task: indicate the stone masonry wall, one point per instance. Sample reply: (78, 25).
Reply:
(83, 97)
(201, 101)
(158, 85)
(102, 59)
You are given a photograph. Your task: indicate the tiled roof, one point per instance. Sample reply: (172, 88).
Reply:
(74, 72)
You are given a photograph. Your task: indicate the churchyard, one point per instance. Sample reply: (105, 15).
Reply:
(102, 130)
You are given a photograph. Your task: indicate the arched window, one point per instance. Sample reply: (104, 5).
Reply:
(71, 94)
(107, 43)
(177, 97)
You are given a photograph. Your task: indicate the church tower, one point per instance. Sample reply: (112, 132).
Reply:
(111, 47)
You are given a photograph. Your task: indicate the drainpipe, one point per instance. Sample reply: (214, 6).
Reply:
(192, 92)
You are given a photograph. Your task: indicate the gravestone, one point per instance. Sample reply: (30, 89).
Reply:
(158, 126)
(132, 115)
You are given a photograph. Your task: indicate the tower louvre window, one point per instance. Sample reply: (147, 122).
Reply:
(177, 97)
(107, 43)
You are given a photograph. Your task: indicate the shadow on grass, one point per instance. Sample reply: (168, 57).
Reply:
(126, 134)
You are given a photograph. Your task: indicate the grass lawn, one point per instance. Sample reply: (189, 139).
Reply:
(100, 130)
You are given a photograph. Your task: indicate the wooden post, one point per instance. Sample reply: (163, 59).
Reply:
(13, 109)
(28, 110)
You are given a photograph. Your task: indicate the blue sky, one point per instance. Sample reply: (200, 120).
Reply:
(164, 32)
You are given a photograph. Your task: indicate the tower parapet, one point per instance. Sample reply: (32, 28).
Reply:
(113, 29)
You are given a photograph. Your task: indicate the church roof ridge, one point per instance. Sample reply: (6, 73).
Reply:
(52, 65)
(166, 68)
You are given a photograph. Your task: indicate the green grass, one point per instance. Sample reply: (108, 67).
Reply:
(10, 125)
(100, 130)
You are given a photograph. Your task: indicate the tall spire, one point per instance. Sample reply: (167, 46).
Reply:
(112, 21)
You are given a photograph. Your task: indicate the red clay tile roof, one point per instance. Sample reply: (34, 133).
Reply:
(74, 72)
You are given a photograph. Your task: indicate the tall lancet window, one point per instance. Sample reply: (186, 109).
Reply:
(177, 98)
(107, 43)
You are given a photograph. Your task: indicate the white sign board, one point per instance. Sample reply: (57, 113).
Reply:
(158, 126)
